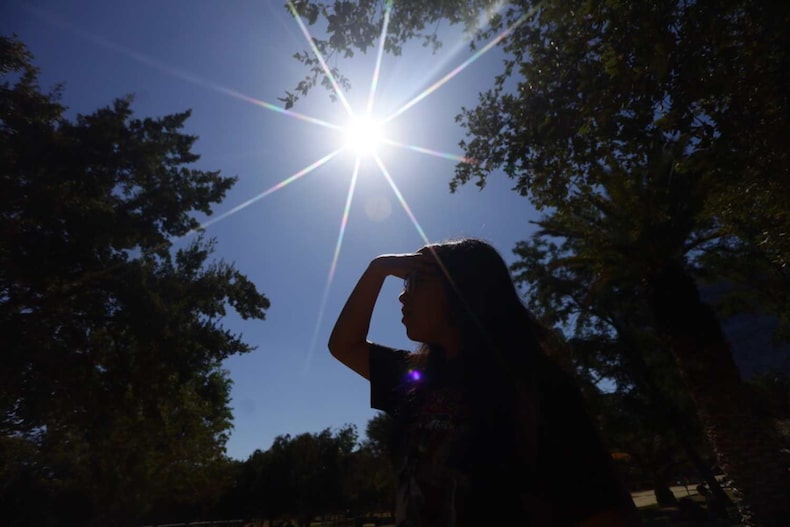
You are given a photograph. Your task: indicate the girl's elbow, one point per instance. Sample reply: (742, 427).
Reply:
(336, 347)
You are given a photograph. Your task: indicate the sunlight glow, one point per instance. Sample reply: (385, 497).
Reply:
(363, 136)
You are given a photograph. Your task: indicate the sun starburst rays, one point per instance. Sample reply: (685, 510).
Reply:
(333, 265)
(374, 81)
(423, 150)
(401, 199)
(364, 140)
(194, 79)
(271, 190)
(219, 88)
(320, 57)
(435, 86)
(367, 115)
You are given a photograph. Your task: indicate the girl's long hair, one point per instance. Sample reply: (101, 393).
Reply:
(501, 352)
(507, 364)
(498, 332)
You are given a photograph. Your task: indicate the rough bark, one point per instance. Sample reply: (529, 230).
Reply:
(748, 449)
(705, 473)
(664, 495)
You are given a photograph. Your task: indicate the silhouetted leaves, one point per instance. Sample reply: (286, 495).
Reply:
(112, 391)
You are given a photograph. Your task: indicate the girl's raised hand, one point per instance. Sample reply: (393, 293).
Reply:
(402, 265)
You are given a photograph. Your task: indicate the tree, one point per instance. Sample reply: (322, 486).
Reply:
(671, 96)
(298, 477)
(612, 241)
(113, 394)
(610, 339)
(381, 476)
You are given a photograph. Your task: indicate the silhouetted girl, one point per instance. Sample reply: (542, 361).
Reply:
(489, 430)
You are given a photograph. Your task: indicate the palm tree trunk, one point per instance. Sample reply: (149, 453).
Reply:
(705, 473)
(669, 413)
(747, 449)
(664, 495)
(717, 503)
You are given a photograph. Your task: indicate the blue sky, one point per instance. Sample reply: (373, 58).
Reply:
(218, 58)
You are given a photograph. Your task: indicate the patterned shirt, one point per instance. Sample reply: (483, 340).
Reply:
(447, 479)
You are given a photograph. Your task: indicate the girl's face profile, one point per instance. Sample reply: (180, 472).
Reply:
(426, 310)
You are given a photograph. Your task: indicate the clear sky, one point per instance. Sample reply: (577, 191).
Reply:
(229, 61)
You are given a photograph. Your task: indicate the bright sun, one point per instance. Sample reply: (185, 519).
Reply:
(363, 135)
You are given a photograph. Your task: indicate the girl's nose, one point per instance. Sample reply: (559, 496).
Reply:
(401, 296)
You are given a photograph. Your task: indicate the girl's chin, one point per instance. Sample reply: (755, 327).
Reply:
(413, 335)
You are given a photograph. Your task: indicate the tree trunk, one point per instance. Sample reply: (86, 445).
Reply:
(664, 495)
(673, 417)
(747, 449)
(705, 473)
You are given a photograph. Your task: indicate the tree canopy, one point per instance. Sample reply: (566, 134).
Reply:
(113, 393)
